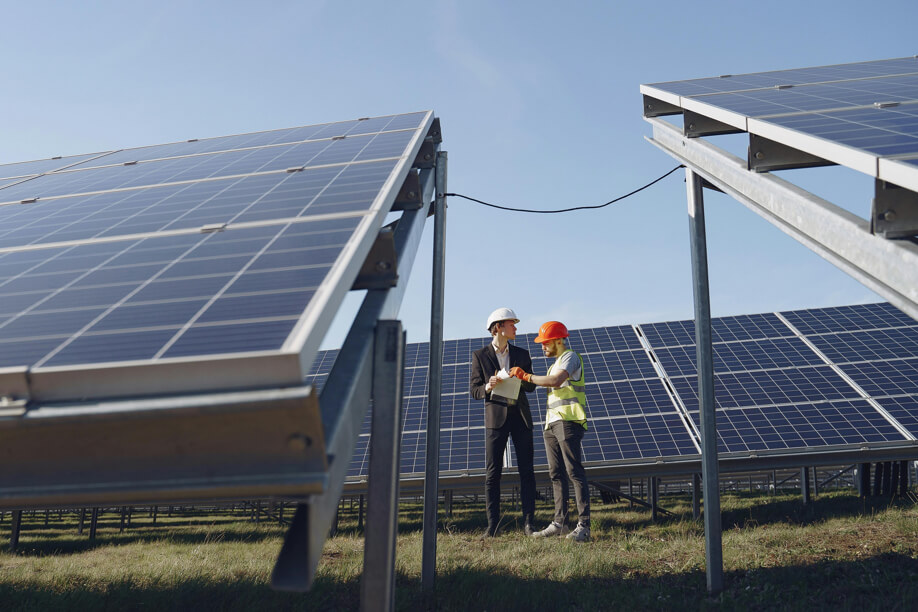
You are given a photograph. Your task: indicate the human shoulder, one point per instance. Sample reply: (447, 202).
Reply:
(483, 350)
(570, 363)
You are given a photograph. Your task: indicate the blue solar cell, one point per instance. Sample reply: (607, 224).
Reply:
(132, 346)
(262, 282)
(801, 425)
(882, 378)
(789, 386)
(904, 409)
(740, 356)
(724, 329)
(618, 365)
(40, 166)
(847, 318)
(413, 453)
(238, 338)
(784, 77)
(869, 345)
(637, 437)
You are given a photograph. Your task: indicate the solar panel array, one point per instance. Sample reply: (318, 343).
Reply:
(790, 382)
(864, 115)
(208, 247)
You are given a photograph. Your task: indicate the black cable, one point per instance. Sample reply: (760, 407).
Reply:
(526, 210)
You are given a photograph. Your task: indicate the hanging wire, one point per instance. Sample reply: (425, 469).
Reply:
(563, 210)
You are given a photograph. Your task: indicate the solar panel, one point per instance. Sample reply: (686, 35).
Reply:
(847, 318)
(859, 115)
(773, 392)
(802, 425)
(209, 255)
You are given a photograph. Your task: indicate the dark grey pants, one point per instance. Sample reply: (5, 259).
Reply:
(515, 429)
(562, 444)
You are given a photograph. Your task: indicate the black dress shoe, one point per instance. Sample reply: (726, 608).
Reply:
(527, 524)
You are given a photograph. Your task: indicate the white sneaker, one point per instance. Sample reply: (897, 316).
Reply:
(580, 534)
(552, 530)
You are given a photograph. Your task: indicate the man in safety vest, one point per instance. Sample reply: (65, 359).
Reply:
(565, 424)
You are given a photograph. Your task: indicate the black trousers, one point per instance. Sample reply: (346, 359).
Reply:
(495, 445)
(562, 444)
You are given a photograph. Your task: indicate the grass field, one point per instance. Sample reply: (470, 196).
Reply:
(838, 553)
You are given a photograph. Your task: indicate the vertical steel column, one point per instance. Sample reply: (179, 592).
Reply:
(709, 468)
(435, 379)
(805, 484)
(696, 505)
(15, 528)
(377, 588)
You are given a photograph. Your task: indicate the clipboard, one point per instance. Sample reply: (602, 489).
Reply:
(508, 387)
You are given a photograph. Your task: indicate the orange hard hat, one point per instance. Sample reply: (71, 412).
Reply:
(551, 331)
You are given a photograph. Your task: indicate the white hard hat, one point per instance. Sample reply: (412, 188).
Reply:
(502, 314)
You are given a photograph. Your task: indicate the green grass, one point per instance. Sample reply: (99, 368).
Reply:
(839, 553)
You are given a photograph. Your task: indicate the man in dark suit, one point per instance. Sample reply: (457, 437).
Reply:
(504, 417)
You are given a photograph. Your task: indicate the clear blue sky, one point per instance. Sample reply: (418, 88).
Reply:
(539, 105)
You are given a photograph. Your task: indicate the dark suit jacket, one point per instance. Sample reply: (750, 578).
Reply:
(484, 364)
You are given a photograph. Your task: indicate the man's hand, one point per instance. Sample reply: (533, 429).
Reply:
(520, 373)
(492, 382)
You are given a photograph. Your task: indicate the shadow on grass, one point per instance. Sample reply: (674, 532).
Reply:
(68, 544)
(886, 581)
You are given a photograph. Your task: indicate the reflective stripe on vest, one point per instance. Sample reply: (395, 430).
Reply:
(568, 402)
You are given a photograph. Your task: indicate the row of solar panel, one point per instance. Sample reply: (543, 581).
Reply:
(337, 190)
(192, 294)
(871, 107)
(324, 132)
(216, 165)
(773, 393)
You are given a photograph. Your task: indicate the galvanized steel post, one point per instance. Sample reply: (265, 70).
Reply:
(378, 583)
(709, 467)
(435, 378)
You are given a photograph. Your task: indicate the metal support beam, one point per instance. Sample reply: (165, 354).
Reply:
(705, 360)
(634, 500)
(888, 267)
(903, 478)
(696, 496)
(377, 589)
(834, 476)
(343, 406)
(15, 528)
(435, 378)
(863, 479)
(93, 523)
(805, 485)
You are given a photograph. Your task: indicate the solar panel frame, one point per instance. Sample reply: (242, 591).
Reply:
(284, 366)
(865, 89)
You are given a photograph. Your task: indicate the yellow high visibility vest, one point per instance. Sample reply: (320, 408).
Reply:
(568, 402)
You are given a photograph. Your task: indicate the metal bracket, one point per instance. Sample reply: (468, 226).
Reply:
(434, 134)
(426, 154)
(894, 213)
(657, 108)
(765, 155)
(380, 269)
(14, 391)
(409, 196)
(695, 125)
